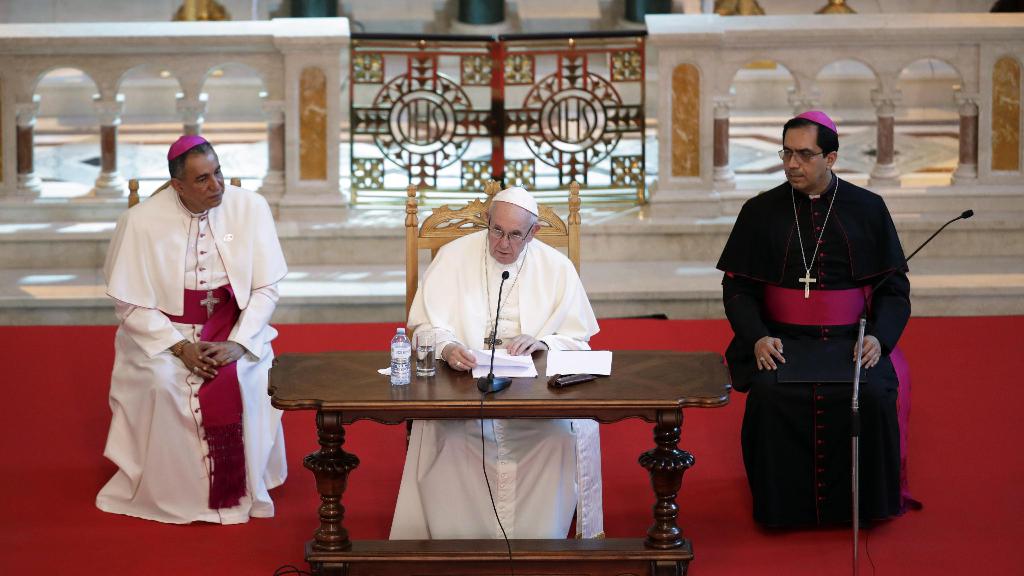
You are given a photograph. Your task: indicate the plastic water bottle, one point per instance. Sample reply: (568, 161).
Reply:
(401, 355)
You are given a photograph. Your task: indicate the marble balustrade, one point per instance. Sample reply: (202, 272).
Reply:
(702, 55)
(298, 61)
(302, 66)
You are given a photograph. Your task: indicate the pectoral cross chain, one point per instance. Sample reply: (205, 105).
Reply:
(807, 280)
(209, 302)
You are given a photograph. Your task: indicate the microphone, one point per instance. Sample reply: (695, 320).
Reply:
(855, 400)
(963, 216)
(489, 383)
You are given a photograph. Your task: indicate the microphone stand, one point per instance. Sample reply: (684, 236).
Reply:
(855, 400)
(855, 440)
(490, 383)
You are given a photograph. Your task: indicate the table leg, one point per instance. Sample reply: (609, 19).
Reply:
(666, 464)
(331, 466)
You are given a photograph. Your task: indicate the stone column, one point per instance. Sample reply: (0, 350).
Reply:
(803, 101)
(29, 185)
(109, 183)
(480, 17)
(193, 113)
(637, 9)
(885, 173)
(272, 187)
(967, 169)
(723, 174)
(313, 71)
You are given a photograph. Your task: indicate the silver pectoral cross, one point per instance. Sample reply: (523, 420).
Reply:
(807, 280)
(488, 343)
(209, 302)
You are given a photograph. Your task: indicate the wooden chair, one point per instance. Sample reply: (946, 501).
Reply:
(446, 224)
(133, 189)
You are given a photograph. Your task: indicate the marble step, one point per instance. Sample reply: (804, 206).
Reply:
(376, 293)
(609, 234)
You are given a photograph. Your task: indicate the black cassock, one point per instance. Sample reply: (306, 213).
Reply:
(796, 437)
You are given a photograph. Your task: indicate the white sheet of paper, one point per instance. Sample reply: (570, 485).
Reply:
(504, 364)
(580, 362)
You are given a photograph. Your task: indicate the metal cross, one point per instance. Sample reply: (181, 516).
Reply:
(209, 302)
(489, 344)
(807, 280)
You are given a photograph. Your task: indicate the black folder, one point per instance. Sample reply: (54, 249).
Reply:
(824, 361)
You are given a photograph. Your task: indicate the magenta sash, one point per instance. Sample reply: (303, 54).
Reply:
(839, 308)
(823, 308)
(220, 399)
(195, 312)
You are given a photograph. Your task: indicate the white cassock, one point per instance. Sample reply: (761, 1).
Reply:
(540, 471)
(156, 436)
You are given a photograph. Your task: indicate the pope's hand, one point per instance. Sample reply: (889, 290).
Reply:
(523, 344)
(458, 357)
(766, 351)
(871, 353)
(221, 353)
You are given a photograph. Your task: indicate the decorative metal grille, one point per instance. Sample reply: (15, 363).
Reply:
(367, 68)
(520, 173)
(476, 70)
(475, 173)
(627, 170)
(541, 112)
(368, 173)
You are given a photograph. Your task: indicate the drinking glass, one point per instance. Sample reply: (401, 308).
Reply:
(426, 364)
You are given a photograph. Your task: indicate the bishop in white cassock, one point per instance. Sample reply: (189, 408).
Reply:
(193, 272)
(540, 471)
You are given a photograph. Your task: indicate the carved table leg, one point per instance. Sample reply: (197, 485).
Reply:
(666, 464)
(331, 466)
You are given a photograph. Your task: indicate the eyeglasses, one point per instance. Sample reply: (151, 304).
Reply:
(515, 237)
(801, 155)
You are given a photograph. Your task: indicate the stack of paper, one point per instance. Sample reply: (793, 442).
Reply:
(504, 364)
(580, 362)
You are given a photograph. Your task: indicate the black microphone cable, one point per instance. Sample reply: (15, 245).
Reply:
(487, 482)
(484, 391)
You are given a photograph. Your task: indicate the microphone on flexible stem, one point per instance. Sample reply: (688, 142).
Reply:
(490, 383)
(963, 216)
(855, 401)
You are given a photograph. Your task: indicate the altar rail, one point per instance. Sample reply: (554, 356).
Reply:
(699, 56)
(304, 67)
(298, 61)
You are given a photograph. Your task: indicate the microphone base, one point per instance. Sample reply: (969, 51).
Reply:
(491, 383)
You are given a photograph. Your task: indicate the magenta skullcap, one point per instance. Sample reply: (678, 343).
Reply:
(184, 144)
(819, 118)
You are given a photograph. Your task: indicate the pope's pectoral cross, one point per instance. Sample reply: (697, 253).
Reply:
(807, 280)
(488, 342)
(209, 302)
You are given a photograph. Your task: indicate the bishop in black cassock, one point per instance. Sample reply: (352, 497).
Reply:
(800, 264)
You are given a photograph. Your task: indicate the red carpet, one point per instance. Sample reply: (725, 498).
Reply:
(964, 465)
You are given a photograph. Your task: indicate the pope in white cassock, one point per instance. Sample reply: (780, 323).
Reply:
(193, 272)
(540, 471)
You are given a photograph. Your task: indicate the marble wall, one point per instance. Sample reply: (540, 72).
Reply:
(313, 127)
(42, 11)
(686, 121)
(1006, 120)
(268, 57)
(941, 60)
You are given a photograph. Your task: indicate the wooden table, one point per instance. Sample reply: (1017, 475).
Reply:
(344, 387)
